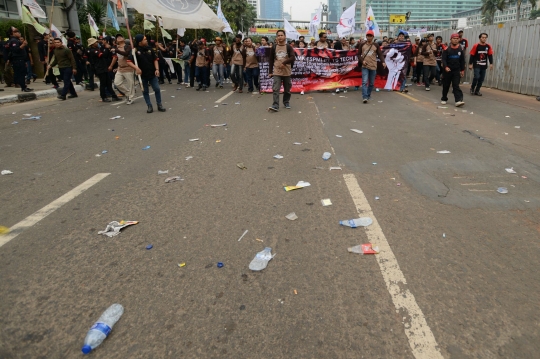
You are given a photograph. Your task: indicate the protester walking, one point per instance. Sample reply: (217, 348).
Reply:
(481, 53)
(238, 61)
(453, 61)
(429, 52)
(185, 56)
(252, 66)
(440, 48)
(219, 57)
(368, 53)
(282, 58)
(101, 59)
(16, 53)
(67, 66)
(125, 75)
(201, 66)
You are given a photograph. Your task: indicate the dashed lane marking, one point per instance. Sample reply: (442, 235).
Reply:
(224, 97)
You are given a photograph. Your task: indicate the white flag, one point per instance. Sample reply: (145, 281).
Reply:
(35, 9)
(315, 22)
(222, 17)
(93, 24)
(290, 31)
(180, 31)
(241, 33)
(346, 22)
(56, 33)
(190, 14)
(149, 17)
(371, 24)
(160, 22)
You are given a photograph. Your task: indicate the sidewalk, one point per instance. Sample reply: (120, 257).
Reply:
(41, 90)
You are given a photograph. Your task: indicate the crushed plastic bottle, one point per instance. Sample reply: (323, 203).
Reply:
(102, 328)
(326, 156)
(357, 222)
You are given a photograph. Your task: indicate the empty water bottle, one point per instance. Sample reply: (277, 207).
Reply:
(357, 222)
(102, 328)
(326, 156)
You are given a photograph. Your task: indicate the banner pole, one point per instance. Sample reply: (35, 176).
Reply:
(131, 41)
(49, 42)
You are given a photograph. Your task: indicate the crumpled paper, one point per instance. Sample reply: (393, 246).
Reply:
(113, 228)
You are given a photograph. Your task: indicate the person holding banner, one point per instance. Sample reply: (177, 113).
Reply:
(368, 52)
(282, 58)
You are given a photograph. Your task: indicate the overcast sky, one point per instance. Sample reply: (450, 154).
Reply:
(301, 9)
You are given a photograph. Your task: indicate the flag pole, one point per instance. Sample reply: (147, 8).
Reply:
(131, 41)
(49, 42)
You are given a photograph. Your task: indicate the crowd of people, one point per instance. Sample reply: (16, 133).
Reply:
(121, 67)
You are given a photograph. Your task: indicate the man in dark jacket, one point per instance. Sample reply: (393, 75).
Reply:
(17, 55)
(66, 63)
(100, 59)
(453, 62)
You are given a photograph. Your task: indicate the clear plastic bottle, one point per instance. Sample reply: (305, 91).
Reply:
(326, 156)
(357, 222)
(102, 328)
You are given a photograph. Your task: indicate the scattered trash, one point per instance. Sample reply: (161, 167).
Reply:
(257, 239)
(326, 156)
(173, 179)
(115, 117)
(219, 125)
(146, 148)
(241, 166)
(339, 136)
(172, 96)
(510, 170)
(374, 163)
(98, 155)
(218, 141)
(102, 328)
(220, 264)
(472, 113)
(297, 143)
(278, 157)
(104, 152)
(377, 198)
(443, 152)
(506, 133)
(502, 190)
(188, 158)
(242, 236)
(27, 114)
(357, 131)
(299, 111)
(179, 88)
(523, 176)
(117, 138)
(261, 259)
(444, 235)
(160, 172)
(507, 116)
(114, 227)
(295, 292)
(6, 172)
(3, 230)
(367, 248)
(216, 106)
(525, 199)
(291, 216)
(398, 184)
(148, 247)
(326, 202)
(14, 123)
(32, 118)
(377, 90)
(181, 265)
(242, 307)
(300, 184)
(335, 168)
(301, 93)
(193, 139)
(237, 103)
(379, 101)
(442, 106)
(357, 222)
(517, 126)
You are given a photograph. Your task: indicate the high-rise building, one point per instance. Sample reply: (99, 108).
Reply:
(335, 11)
(271, 9)
(420, 9)
(255, 4)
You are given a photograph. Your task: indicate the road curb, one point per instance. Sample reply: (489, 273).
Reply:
(37, 95)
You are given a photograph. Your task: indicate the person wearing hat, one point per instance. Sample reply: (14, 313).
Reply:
(89, 66)
(453, 62)
(368, 52)
(100, 59)
(218, 57)
(63, 57)
(125, 74)
(430, 53)
(148, 68)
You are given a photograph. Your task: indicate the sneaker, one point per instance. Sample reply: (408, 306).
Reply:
(273, 109)
(301, 93)
(150, 109)
(240, 91)
(217, 84)
(27, 90)
(204, 88)
(287, 106)
(106, 99)
(460, 103)
(115, 99)
(420, 84)
(160, 108)
(443, 102)
(234, 88)
(60, 97)
(478, 93)
(198, 88)
(220, 86)
(364, 100)
(73, 96)
(428, 89)
(404, 91)
(129, 101)
(337, 90)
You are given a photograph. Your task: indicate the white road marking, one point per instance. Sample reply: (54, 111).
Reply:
(224, 97)
(50, 208)
(421, 339)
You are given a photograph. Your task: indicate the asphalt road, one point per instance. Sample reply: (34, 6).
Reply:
(466, 257)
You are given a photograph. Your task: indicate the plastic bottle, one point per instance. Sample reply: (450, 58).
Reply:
(326, 156)
(357, 222)
(102, 328)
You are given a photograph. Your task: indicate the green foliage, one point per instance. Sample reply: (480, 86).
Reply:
(490, 7)
(534, 14)
(238, 13)
(6, 24)
(97, 9)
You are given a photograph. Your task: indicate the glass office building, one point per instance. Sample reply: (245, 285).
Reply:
(271, 9)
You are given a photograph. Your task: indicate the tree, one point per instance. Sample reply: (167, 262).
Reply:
(238, 13)
(534, 14)
(490, 7)
(518, 11)
(97, 9)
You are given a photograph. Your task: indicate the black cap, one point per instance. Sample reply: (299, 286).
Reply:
(138, 38)
(116, 36)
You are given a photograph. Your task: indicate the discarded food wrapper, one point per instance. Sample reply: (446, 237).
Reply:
(218, 141)
(510, 170)
(326, 202)
(502, 190)
(291, 216)
(339, 136)
(241, 166)
(219, 125)
(278, 157)
(443, 152)
(146, 148)
(6, 172)
(114, 227)
(335, 168)
(367, 248)
(357, 131)
(160, 172)
(291, 188)
(261, 259)
(357, 222)
(303, 184)
(33, 118)
(193, 139)
(181, 265)
(174, 179)
(115, 117)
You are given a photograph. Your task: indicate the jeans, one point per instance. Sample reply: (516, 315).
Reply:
(453, 78)
(186, 71)
(478, 80)
(178, 71)
(192, 74)
(217, 70)
(80, 72)
(154, 82)
(438, 74)
(29, 73)
(66, 74)
(105, 86)
(228, 71)
(252, 75)
(237, 76)
(201, 73)
(429, 74)
(287, 85)
(368, 81)
(19, 73)
(402, 87)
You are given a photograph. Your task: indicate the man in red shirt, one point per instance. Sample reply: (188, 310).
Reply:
(481, 53)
